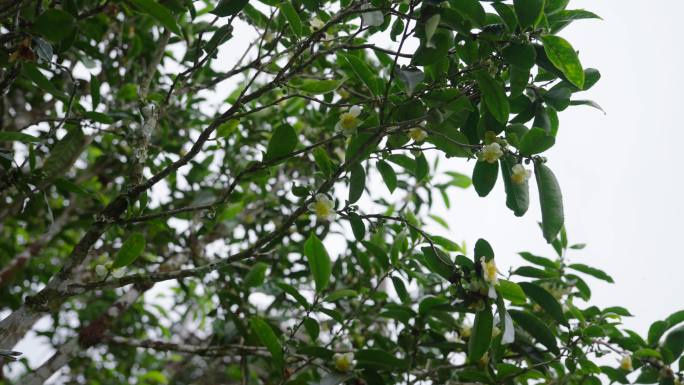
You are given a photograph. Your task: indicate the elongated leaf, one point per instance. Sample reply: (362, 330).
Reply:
(551, 201)
(283, 141)
(256, 275)
(159, 12)
(358, 228)
(229, 7)
(292, 17)
(315, 86)
(517, 194)
(484, 177)
(471, 10)
(378, 359)
(594, 272)
(11, 136)
(268, 337)
(55, 25)
(512, 292)
(30, 71)
(529, 12)
(494, 97)
(357, 182)
(64, 153)
(519, 54)
(547, 302)
(388, 175)
(563, 56)
(536, 328)
(362, 72)
(130, 250)
(319, 261)
(481, 336)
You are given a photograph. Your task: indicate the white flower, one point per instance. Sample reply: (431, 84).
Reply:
(417, 134)
(323, 207)
(519, 174)
(343, 93)
(349, 121)
(626, 363)
(101, 271)
(118, 273)
(316, 24)
(509, 331)
(489, 271)
(490, 153)
(344, 362)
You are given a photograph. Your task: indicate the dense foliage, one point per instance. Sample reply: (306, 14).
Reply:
(181, 211)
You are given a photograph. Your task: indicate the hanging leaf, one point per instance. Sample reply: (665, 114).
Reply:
(319, 261)
(357, 182)
(544, 299)
(551, 201)
(536, 141)
(293, 20)
(10, 136)
(267, 337)
(64, 154)
(388, 175)
(358, 228)
(517, 194)
(283, 141)
(131, 249)
(256, 275)
(529, 12)
(536, 328)
(229, 7)
(494, 97)
(484, 177)
(54, 25)
(481, 336)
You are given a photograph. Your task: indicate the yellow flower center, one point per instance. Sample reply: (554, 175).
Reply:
(322, 209)
(348, 121)
(490, 271)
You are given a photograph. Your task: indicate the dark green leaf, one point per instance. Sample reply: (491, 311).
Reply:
(547, 302)
(536, 141)
(54, 25)
(388, 175)
(267, 337)
(551, 201)
(229, 7)
(130, 250)
(319, 261)
(357, 182)
(10, 136)
(283, 141)
(512, 292)
(536, 328)
(292, 17)
(594, 272)
(481, 336)
(494, 97)
(529, 12)
(517, 194)
(484, 177)
(358, 228)
(159, 12)
(256, 275)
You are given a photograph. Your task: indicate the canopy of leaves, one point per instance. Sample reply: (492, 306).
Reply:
(179, 180)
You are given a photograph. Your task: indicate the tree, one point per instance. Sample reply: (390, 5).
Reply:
(278, 203)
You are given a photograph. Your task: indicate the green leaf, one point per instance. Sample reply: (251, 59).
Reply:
(30, 71)
(319, 261)
(529, 12)
(519, 78)
(536, 328)
(536, 141)
(656, 331)
(159, 12)
(388, 175)
(10, 136)
(94, 91)
(357, 182)
(512, 292)
(256, 275)
(507, 14)
(438, 262)
(564, 57)
(291, 290)
(130, 250)
(537, 260)
(517, 194)
(471, 10)
(594, 272)
(378, 359)
(481, 336)
(551, 201)
(494, 97)
(483, 249)
(267, 337)
(315, 86)
(54, 25)
(283, 141)
(522, 55)
(229, 7)
(547, 302)
(674, 342)
(400, 288)
(290, 13)
(358, 228)
(339, 294)
(484, 177)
